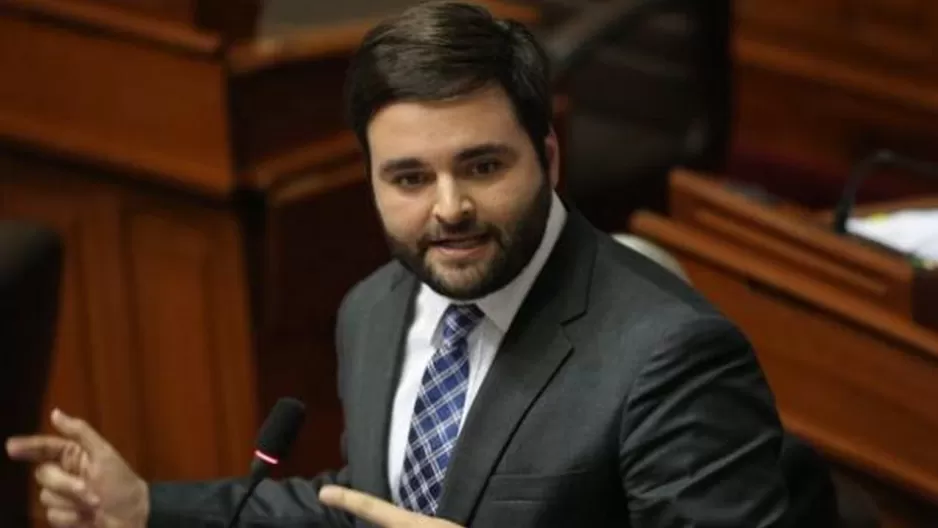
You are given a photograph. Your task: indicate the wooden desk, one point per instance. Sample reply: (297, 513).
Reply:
(802, 239)
(214, 208)
(852, 378)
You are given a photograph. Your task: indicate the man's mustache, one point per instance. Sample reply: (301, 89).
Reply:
(461, 230)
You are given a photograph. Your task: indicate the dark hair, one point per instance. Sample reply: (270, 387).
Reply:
(442, 49)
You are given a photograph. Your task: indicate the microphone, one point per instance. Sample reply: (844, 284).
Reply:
(866, 166)
(273, 442)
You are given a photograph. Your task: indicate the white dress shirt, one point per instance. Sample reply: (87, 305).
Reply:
(425, 336)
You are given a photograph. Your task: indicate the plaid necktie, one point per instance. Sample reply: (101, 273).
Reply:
(437, 413)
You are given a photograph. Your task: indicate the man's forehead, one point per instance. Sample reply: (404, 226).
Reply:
(440, 129)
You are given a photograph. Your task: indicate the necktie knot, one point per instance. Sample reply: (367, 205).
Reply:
(458, 322)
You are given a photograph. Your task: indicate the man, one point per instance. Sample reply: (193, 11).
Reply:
(512, 366)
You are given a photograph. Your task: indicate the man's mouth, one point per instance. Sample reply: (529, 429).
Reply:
(466, 242)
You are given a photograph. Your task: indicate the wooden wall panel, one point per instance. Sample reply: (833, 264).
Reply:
(154, 342)
(894, 39)
(287, 108)
(324, 236)
(131, 105)
(822, 84)
(192, 350)
(90, 371)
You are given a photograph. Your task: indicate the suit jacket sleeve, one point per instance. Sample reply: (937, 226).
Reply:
(701, 438)
(289, 503)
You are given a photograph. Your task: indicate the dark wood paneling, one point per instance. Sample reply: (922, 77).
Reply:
(191, 344)
(324, 236)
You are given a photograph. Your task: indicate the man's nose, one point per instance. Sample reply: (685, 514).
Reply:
(452, 204)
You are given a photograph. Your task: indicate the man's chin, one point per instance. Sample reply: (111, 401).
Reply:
(457, 279)
(459, 282)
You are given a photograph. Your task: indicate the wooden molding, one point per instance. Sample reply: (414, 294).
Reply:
(338, 149)
(705, 203)
(157, 115)
(112, 22)
(685, 184)
(753, 53)
(887, 324)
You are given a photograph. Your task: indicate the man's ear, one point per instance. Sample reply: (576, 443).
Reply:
(552, 151)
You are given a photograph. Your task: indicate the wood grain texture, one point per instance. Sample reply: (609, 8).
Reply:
(282, 111)
(800, 242)
(192, 342)
(323, 236)
(122, 105)
(131, 21)
(90, 375)
(821, 84)
(153, 343)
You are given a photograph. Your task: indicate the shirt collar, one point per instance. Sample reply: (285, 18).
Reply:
(501, 306)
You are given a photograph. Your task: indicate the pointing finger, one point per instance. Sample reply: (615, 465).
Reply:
(53, 478)
(79, 431)
(366, 507)
(39, 448)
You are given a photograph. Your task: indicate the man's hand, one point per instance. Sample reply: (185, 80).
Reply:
(377, 511)
(85, 482)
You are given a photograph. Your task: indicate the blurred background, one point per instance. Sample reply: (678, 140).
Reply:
(182, 209)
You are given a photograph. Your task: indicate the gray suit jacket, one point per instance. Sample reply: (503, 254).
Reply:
(619, 397)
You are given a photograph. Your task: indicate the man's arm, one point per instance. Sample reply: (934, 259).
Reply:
(290, 503)
(701, 437)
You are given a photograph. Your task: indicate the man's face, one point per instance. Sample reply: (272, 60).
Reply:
(459, 189)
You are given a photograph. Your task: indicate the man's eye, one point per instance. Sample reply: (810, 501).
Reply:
(487, 167)
(409, 180)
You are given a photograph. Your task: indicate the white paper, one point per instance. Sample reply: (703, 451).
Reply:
(912, 231)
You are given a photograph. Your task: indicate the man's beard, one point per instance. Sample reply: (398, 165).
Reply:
(515, 245)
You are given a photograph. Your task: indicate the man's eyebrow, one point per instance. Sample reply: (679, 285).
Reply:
(401, 164)
(485, 149)
(476, 151)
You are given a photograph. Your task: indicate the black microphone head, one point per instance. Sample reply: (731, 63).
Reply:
(279, 430)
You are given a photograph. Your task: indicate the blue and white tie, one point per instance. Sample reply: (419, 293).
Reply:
(437, 413)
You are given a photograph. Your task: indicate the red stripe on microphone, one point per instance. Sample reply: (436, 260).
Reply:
(266, 458)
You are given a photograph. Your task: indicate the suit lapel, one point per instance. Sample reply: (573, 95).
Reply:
(534, 348)
(382, 353)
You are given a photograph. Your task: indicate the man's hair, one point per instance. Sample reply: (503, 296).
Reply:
(439, 50)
